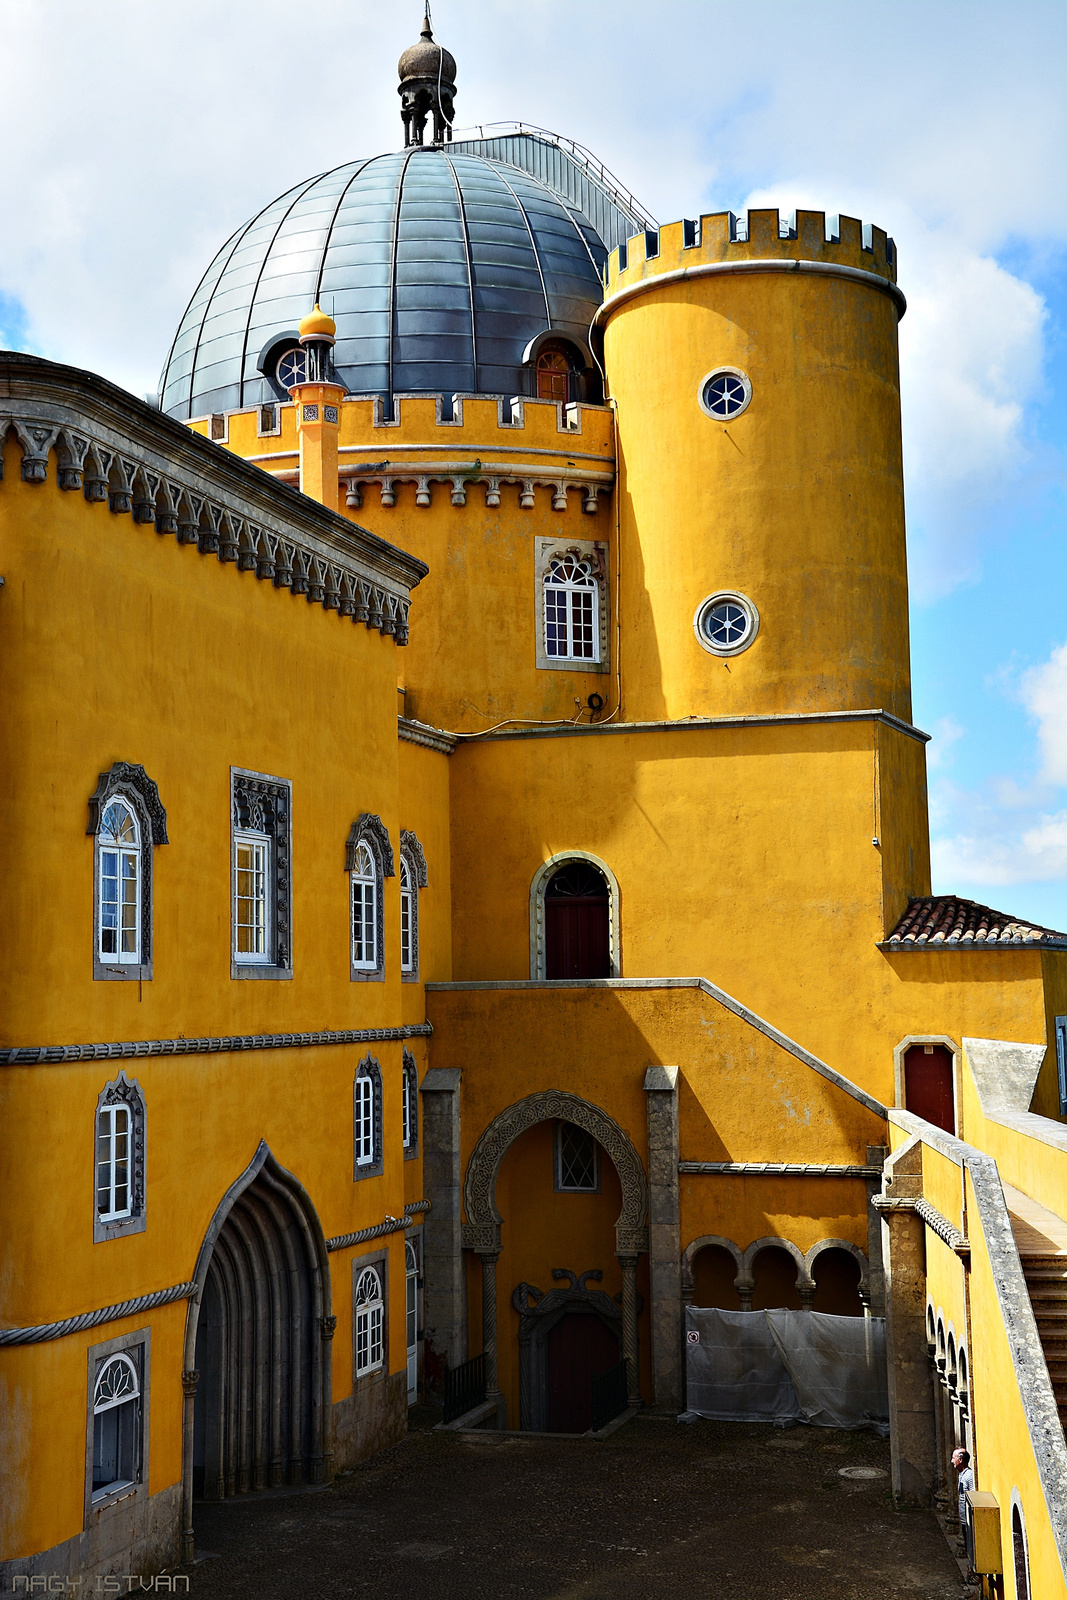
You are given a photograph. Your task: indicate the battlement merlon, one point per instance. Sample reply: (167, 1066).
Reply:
(761, 236)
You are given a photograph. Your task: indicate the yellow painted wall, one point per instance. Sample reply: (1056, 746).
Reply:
(797, 502)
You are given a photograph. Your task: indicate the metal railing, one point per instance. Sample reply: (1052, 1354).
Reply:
(609, 1394)
(465, 1387)
(579, 153)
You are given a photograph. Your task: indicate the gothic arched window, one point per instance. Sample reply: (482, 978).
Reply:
(413, 877)
(119, 1160)
(364, 911)
(367, 1118)
(410, 1106)
(572, 608)
(127, 819)
(370, 1318)
(368, 862)
(116, 1425)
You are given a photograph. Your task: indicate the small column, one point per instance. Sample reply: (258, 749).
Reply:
(629, 1327)
(318, 411)
(911, 1403)
(489, 1259)
(664, 1237)
(444, 1293)
(189, 1383)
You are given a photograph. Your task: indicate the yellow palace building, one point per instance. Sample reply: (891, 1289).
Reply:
(465, 865)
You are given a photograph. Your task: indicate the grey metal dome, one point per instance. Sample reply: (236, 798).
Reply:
(439, 268)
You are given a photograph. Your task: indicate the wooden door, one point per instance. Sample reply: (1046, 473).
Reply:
(577, 1347)
(577, 911)
(928, 1087)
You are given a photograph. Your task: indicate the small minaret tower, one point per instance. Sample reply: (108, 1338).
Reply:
(317, 398)
(427, 88)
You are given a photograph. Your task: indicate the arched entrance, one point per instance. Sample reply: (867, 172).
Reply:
(482, 1231)
(574, 918)
(257, 1378)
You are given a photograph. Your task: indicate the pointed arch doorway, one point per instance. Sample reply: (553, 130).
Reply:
(257, 1368)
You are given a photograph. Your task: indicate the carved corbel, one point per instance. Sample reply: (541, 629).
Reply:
(210, 518)
(248, 539)
(266, 547)
(298, 583)
(189, 508)
(354, 494)
(559, 497)
(316, 581)
(362, 599)
(120, 485)
(374, 608)
(388, 622)
(459, 491)
(71, 450)
(492, 493)
(97, 467)
(145, 486)
(388, 491)
(422, 492)
(589, 503)
(402, 622)
(36, 439)
(331, 590)
(167, 498)
(283, 565)
(526, 495)
(346, 596)
(229, 537)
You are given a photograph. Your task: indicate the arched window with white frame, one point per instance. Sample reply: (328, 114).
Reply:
(410, 1106)
(116, 1425)
(367, 1118)
(119, 1179)
(370, 1320)
(126, 818)
(572, 608)
(364, 911)
(368, 862)
(413, 877)
(411, 1285)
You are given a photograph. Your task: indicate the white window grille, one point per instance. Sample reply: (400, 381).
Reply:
(577, 1160)
(370, 1318)
(251, 875)
(114, 1197)
(408, 1129)
(572, 609)
(116, 1426)
(411, 1263)
(292, 367)
(119, 898)
(407, 920)
(364, 911)
(364, 1121)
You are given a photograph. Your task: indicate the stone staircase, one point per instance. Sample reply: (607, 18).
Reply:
(1041, 1240)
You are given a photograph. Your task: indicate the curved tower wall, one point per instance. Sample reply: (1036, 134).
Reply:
(797, 503)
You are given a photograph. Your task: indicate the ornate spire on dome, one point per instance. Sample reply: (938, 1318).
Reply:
(427, 88)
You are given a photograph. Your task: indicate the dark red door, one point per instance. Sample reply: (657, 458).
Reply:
(577, 1347)
(576, 924)
(928, 1089)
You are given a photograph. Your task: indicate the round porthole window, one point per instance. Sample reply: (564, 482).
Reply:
(725, 393)
(726, 624)
(292, 367)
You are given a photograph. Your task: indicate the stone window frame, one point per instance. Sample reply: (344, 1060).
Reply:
(138, 1346)
(594, 551)
(410, 1072)
(413, 857)
(379, 1260)
(128, 1092)
(248, 791)
(413, 1241)
(557, 1159)
(369, 829)
(541, 878)
(128, 781)
(370, 1068)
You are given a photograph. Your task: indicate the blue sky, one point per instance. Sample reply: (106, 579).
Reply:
(167, 125)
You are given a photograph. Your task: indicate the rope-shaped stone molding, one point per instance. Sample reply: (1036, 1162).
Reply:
(90, 1319)
(941, 1226)
(131, 487)
(342, 1241)
(54, 1054)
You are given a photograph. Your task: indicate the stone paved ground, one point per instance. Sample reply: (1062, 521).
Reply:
(731, 1510)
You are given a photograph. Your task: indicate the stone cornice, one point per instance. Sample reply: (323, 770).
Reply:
(114, 448)
(567, 730)
(413, 732)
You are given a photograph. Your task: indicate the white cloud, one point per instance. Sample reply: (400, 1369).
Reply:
(1044, 693)
(947, 732)
(1037, 854)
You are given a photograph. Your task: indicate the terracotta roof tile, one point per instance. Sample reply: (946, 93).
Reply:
(945, 919)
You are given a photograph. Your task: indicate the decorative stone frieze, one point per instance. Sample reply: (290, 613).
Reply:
(528, 476)
(143, 464)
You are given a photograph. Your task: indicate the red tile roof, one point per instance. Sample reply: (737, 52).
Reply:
(945, 919)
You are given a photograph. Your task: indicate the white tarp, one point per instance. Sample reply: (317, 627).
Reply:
(786, 1366)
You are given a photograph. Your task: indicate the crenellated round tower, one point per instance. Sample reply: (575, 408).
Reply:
(753, 364)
